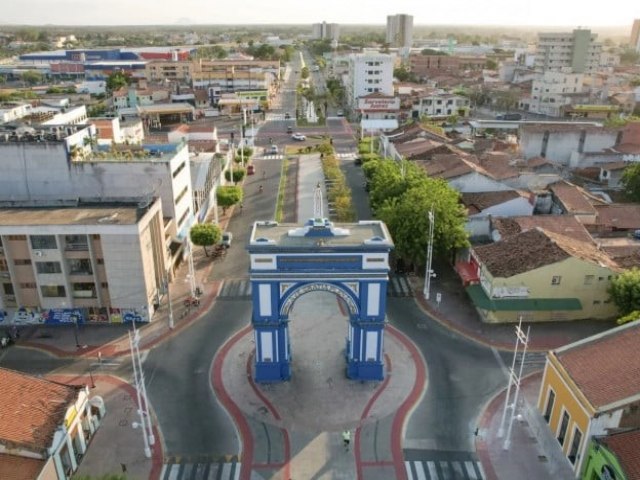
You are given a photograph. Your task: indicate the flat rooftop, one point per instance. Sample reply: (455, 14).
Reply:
(320, 233)
(105, 214)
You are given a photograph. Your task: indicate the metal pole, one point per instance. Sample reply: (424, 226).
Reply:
(75, 330)
(192, 273)
(136, 344)
(147, 450)
(428, 271)
(166, 282)
(525, 342)
(506, 401)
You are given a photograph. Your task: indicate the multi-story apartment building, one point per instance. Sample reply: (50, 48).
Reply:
(635, 35)
(440, 104)
(428, 65)
(325, 31)
(369, 72)
(576, 52)
(57, 163)
(75, 261)
(400, 30)
(167, 70)
(552, 91)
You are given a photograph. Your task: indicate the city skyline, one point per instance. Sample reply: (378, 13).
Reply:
(198, 12)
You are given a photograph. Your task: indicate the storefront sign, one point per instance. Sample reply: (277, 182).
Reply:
(379, 103)
(71, 415)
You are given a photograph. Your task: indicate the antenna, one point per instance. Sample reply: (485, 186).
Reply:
(317, 202)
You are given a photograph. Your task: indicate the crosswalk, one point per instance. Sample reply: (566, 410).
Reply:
(236, 289)
(269, 157)
(398, 286)
(346, 156)
(272, 116)
(444, 470)
(201, 469)
(442, 465)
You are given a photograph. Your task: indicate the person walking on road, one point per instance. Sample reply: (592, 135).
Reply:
(346, 439)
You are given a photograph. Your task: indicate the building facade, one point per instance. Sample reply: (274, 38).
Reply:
(49, 429)
(102, 262)
(635, 35)
(427, 65)
(369, 73)
(325, 31)
(400, 30)
(576, 52)
(551, 92)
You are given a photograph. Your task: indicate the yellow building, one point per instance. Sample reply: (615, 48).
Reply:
(541, 276)
(591, 387)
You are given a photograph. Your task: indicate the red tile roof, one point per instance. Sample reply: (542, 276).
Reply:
(566, 225)
(605, 367)
(534, 249)
(574, 199)
(626, 447)
(13, 467)
(32, 408)
(477, 202)
(445, 166)
(623, 216)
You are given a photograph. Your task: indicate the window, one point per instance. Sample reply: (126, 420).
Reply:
(53, 291)
(575, 445)
(43, 242)
(588, 279)
(183, 217)
(28, 286)
(20, 261)
(555, 280)
(8, 289)
(17, 237)
(182, 194)
(79, 266)
(76, 242)
(95, 236)
(177, 171)
(84, 290)
(48, 267)
(100, 261)
(104, 285)
(563, 427)
(549, 408)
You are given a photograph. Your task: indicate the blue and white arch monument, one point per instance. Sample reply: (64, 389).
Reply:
(349, 260)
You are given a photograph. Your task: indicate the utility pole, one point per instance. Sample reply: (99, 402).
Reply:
(192, 273)
(136, 379)
(428, 271)
(514, 379)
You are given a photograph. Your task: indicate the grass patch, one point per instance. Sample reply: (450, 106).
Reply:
(339, 194)
(281, 189)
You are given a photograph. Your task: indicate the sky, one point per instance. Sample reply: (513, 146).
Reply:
(585, 13)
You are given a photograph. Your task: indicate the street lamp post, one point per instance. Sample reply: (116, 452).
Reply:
(428, 274)
(166, 287)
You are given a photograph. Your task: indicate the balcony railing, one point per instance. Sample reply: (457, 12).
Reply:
(77, 247)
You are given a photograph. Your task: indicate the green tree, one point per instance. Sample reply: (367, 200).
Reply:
(205, 235)
(491, 64)
(228, 195)
(32, 77)
(402, 74)
(625, 291)
(304, 73)
(401, 196)
(238, 174)
(116, 81)
(431, 51)
(244, 153)
(631, 182)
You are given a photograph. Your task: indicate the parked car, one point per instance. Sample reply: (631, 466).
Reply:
(298, 137)
(289, 129)
(341, 113)
(251, 169)
(358, 161)
(287, 116)
(273, 149)
(227, 238)
(509, 116)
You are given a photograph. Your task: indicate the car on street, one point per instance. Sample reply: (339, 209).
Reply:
(227, 238)
(287, 116)
(251, 169)
(340, 113)
(273, 149)
(298, 137)
(289, 129)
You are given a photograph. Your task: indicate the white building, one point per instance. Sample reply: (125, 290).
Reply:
(11, 113)
(575, 51)
(400, 30)
(440, 104)
(551, 91)
(369, 73)
(325, 31)
(57, 163)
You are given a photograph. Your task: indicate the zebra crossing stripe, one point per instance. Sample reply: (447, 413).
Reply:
(457, 470)
(471, 472)
(444, 468)
(420, 471)
(432, 470)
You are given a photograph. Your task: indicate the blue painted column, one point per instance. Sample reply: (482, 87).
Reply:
(365, 352)
(272, 361)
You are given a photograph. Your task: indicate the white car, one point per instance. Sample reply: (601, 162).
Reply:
(298, 137)
(227, 238)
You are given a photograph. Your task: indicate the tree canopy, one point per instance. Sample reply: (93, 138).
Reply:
(401, 195)
(228, 195)
(116, 81)
(631, 182)
(625, 291)
(205, 235)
